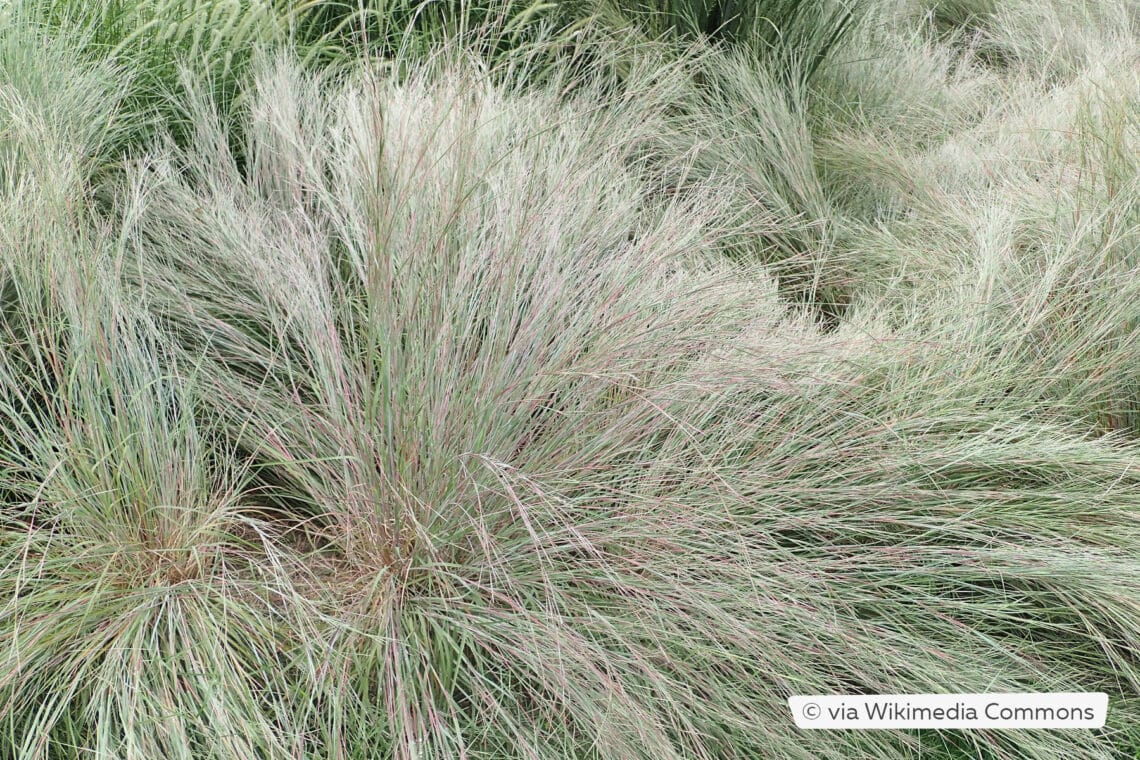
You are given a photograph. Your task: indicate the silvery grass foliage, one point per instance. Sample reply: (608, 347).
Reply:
(438, 426)
(142, 608)
(1009, 191)
(742, 122)
(141, 611)
(794, 38)
(574, 486)
(150, 40)
(790, 38)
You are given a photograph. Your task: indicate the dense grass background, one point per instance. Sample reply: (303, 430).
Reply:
(564, 379)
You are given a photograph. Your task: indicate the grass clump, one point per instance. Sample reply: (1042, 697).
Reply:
(140, 598)
(140, 614)
(411, 407)
(484, 362)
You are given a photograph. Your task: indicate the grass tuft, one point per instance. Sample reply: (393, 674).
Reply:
(563, 381)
